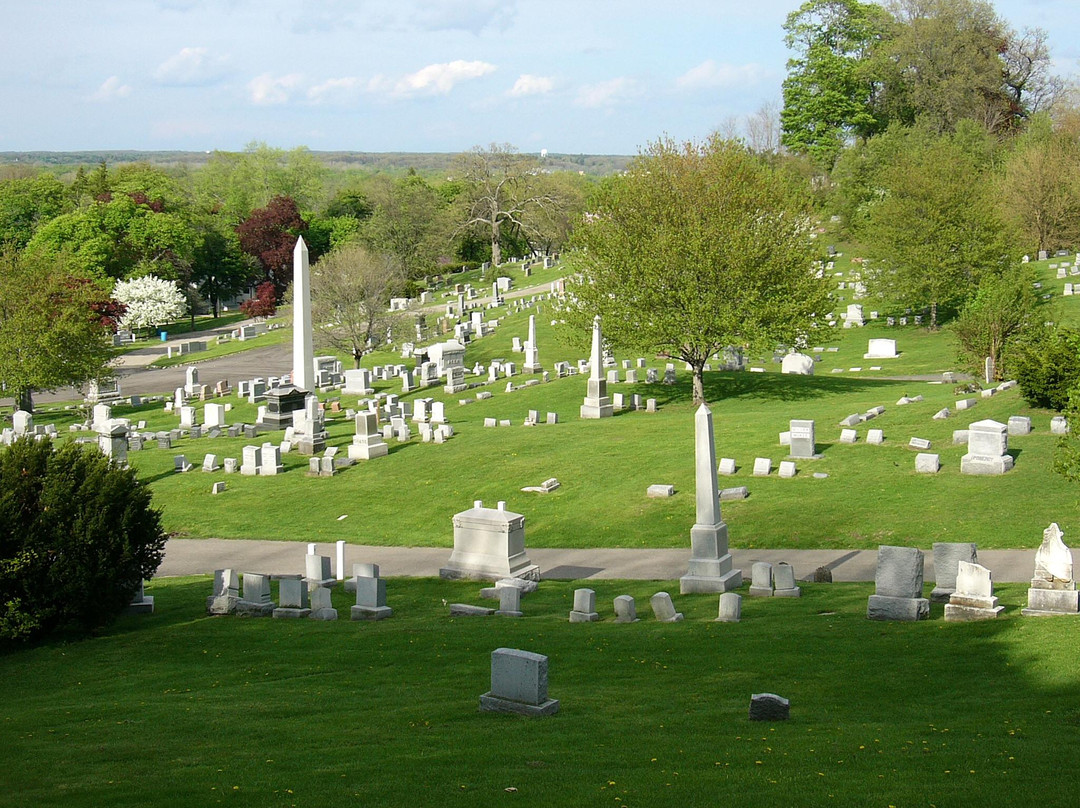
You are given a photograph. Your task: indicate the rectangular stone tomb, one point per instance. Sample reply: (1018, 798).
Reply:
(974, 596)
(519, 684)
(489, 544)
(584, 610)
(947, 558)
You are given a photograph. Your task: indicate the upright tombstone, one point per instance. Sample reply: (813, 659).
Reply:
(1053, 588)
(898, 585)
(532, 362)
(664, 609)
(784, 580)
(973, 598)
(802, 444)
(730, 610)
(293, 600)
(584, 610)
(256, 597)
(881, 349)
(519, 684)
(368, 442)
(625, 609)
(947, 558)
(988, 445)
(761, 580)
(597, 404)
(797, 363)
(303, 350)
(226, 592)
(489, 544)
(113, 441)
(710, 568)
(322, 607)
(370, 596)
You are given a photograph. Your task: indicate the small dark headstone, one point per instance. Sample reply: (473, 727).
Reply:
(823, 575)
(769, 707)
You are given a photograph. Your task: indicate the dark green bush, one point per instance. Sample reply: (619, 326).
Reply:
(77, 536)
(1047, 365)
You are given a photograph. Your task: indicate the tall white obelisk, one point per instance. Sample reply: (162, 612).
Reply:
(597, 404)
(710, 562)
(532, 362)
(303, 353)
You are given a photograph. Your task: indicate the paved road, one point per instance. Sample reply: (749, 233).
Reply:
(203, 556)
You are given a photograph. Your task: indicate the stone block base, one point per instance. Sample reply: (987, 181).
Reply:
(247, 608)
(1042, 602)
(323, 614)
(882, 607)
(941, 595)
(584, 617)
(225, 604)
(286, 613)
(468, 610)
(509, 613)
(981, 464)
(494, 704)
(370, 612)
(592, 411)
(689, 584)
(761, 592)
(956, 613)
(529, 573)
(360, 451)
(145, 606)
(794, 592)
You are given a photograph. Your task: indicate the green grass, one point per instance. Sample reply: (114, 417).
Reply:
(179, 709)
(215, 349)
(871, 496)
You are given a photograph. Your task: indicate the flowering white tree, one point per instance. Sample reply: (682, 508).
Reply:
(150, 302)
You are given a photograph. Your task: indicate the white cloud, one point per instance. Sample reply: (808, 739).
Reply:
(340, 90)
(709, 74)
(110, 90)
(531, 85)
(608, 93)
(439, 79)
(190, 67)
(266, 89)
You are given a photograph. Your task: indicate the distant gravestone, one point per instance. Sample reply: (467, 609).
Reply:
(730, 610)
(947, 558)
(973, 598)
(664, 609)
(761, 580)
(1053, 588)
(988, 444)
(769, 707)
(625, 609)
(584, 610)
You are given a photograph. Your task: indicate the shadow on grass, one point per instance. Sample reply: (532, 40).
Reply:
(725, 385)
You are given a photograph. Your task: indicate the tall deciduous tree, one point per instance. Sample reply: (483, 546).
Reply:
(935, 231)
(50, 334)
(350, 296)
(1000, 313)
(501, 190)
(26, 203)
(696, 247)
(219, 268)
(828, 95)
(408, 223)
(269, 235)
(150, 302)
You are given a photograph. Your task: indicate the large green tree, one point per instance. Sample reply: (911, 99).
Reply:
(26, 203)
(934, 230)
(50, 333)
(694, 248)
(829, 96)
(408, 223)
(1003, 310)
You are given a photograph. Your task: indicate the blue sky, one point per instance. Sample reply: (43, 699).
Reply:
(592, 76)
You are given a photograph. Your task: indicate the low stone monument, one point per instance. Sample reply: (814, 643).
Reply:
(489, 544)
(519, 684)
(370, 594)
(898, 585)
(597, 404)
(784, 581)
(226, 592)
(798, 364)
(973, 597)
(769, 707)
(293, 601)
(1053, 588)
(256, 598)
(322, 608)
(801, 440)
(761, 580)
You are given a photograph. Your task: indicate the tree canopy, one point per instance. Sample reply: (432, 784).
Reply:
(695, 248)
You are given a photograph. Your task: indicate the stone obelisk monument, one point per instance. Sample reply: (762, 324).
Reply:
(532, 363)
(597, 404)
(710, 562)
(303, 353)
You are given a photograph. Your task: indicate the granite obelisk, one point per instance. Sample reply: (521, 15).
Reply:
(532, 364)
(710, 562)
(597, 404)
(303, 353)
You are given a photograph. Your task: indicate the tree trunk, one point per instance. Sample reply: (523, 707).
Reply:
(933, 316)
(699, 387)
(24, 399)
(496, 248)
(357, 355)
(214, 303)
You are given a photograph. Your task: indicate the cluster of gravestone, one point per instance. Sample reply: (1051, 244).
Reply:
(307, 596)
(965, 586)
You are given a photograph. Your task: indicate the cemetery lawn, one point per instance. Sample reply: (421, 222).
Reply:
(216, 349)
(178, 709)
